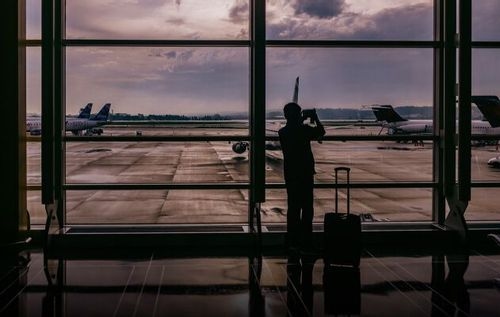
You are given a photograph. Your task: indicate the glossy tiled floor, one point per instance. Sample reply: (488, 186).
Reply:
(384, 285)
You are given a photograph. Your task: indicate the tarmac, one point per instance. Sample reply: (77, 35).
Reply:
(214, 162)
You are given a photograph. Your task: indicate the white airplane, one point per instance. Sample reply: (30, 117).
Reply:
(395, 124)
(490, 108)
(34, 124)
(84, 122)
(242, 146)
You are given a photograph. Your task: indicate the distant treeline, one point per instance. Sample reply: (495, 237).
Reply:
(409, 112)
(161, 117)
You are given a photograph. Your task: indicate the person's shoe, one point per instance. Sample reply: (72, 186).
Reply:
(310, 251)
(293, 251)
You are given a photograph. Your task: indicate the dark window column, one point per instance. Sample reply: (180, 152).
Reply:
(13, 215)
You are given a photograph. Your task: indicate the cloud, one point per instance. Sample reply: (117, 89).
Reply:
(411, 22)
(322, 9)
(239, 13)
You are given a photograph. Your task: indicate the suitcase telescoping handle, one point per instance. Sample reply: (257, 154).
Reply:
(337, 170)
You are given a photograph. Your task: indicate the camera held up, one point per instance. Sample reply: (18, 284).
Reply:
(309, 113)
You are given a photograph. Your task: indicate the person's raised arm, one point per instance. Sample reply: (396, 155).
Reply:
(319, 130)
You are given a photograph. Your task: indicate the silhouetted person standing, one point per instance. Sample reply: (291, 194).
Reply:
(295, 140)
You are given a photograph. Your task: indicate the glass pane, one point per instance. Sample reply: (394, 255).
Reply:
(389, 204)
(33, 163)
(160, 84)
(485, 72)
(485, 22)
(370, 161)
(33, 19)
(36, 210)
(484, 204)
(186, 20)
(155, 162)
(33, 82)
(157, 206)
(350, 20)
(343, 83)
(485, 81)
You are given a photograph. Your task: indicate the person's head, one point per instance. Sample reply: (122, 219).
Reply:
(292, 112)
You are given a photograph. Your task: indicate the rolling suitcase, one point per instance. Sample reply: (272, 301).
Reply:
(342, 231)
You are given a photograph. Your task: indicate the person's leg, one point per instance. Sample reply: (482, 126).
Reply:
(293, 215)
(307, 213)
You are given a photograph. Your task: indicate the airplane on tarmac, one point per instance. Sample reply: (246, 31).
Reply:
(77, 126)
(395, 124)
(490, 108)
(242, 146)
(34, 123)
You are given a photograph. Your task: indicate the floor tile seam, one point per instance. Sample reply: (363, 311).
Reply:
(20, 291)
(26, 271)
(123, 293)
(397, 289)
(157, 299)
(139, 297)
(296, 291)
(488, 262)
(429, 287)
(283, 301)
(392, 284)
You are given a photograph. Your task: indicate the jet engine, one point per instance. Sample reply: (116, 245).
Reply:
(240, 147)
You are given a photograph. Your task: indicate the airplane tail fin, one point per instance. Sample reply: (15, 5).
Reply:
(103, 114)
(387, 113)
(296, 91)
(489, 107)
(85, 112)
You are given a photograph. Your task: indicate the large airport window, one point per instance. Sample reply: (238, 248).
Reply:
(169, 206)
(350, 20)
(173, 145)
(172, 20)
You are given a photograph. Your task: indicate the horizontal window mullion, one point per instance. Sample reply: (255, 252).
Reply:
(479, 184)
(361, 184)
(166, 43)
(31, 42)
(488, 137)
(354, 44)
(155, 138)
(170, 186)
(370, 138)
(484, 44)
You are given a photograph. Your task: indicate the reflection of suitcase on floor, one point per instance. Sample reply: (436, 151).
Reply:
(342, 290)
(342, 231)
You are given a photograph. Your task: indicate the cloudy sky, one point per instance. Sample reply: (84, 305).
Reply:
(179, 80)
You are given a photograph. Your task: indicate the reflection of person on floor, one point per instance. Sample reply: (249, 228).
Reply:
(299, 287)
(298, 165)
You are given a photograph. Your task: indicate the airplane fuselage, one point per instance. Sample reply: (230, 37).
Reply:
(478, 127)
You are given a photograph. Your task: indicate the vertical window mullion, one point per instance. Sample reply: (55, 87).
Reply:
(258, 97)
